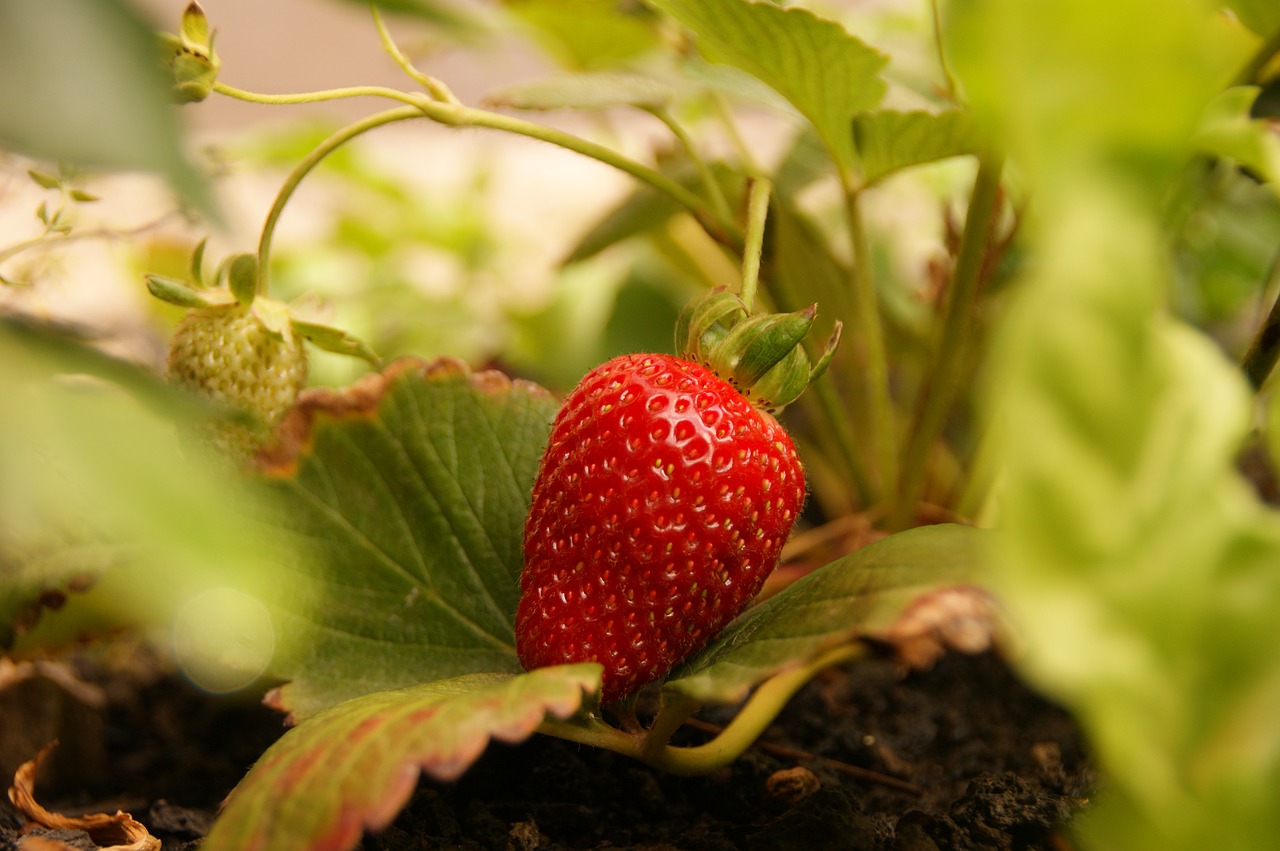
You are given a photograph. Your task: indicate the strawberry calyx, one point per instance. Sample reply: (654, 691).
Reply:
(761, 355)
(190, 58)
(235, 284)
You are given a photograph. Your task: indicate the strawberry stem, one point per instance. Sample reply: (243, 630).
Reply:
(654, 748)
(754, 718)
(757, 213)
(453, 114)
(314, 97)
(303, 168)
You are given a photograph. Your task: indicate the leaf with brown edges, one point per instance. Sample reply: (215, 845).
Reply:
(353, 766)
(406, 494)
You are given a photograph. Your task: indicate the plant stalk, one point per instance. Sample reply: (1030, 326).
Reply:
(753, 719)
(869, 333)
(304, 167)
(760, 710)
(453, 114)
(757, 214)
(321, 96)
(436, 89)
(940, 385)
(710, 186)
(722, 230)
(1264, 350)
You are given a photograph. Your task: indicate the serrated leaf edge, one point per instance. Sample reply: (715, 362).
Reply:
(350, 821)
(292, 439)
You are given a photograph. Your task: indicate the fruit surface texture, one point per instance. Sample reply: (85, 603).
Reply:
(226, 355)
(662, 503)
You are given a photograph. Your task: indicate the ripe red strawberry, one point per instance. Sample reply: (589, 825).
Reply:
(662, 503)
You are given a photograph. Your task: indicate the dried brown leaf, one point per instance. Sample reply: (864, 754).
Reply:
(964, 618)
(112, 832)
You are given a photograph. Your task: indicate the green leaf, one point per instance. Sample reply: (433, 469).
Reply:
(823, 71)
(446, 16)
(598, 90)
(66, 66)
(353, 766)
(410, 492)
(96, 492)
(647, 209)
(1137, 568)
(860, 595)
(1228, 131)
(806, 161)
(1096, 82)
(1261, 16)
(588, 34)
(888, 141)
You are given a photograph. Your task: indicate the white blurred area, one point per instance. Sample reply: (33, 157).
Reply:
(539, 197)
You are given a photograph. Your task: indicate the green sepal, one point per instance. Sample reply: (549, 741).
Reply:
(828, 352)
(272, 315)
(197, 262)
(183, 294)
(335, 340)
(190, 58)
(706, 321)
(755, 346)
(782, 384)
(242, 277)
(195, 26)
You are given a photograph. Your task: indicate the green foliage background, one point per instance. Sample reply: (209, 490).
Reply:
(1094, 414)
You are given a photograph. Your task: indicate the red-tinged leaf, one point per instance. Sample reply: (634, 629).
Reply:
(353, 766)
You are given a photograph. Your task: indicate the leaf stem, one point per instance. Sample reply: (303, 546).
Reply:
(725, 115)
(1264, 350)
(948, 78)
(317, 96)
(870, 344)
(942, 379)
(304, 167)
(709, 183)
(438, 90)
(725, 231)
(652, 748)
(760, 710)
(757, 214)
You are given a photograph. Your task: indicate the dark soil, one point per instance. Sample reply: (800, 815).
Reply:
(972, 759)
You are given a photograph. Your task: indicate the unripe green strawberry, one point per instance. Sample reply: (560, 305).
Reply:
(227, 355)
(662, 502)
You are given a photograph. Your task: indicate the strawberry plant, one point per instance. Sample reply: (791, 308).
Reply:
(1028, 433)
